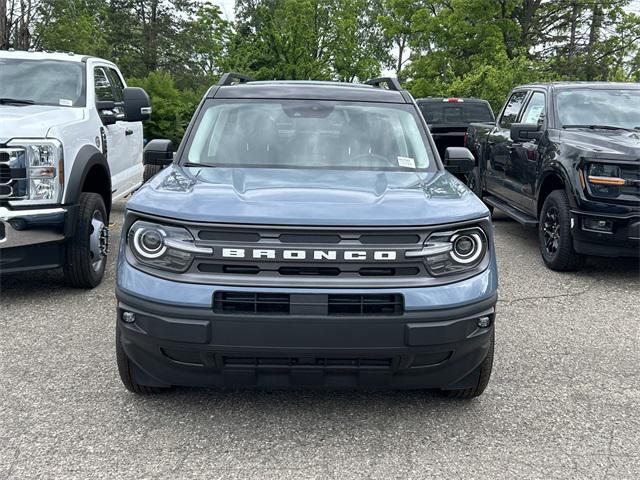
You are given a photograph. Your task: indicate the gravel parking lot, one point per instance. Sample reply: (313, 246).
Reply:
(562, 403)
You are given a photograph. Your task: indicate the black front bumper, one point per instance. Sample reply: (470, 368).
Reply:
(622, 241)
(181, 346)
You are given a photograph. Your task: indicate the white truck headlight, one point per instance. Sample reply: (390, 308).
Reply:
(44, 165)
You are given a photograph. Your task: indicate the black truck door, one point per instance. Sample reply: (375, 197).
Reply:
(520, 174)
(499, 145)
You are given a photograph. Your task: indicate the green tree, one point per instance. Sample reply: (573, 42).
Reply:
(85, 18)
(172, 108)
(204, 46)
(396, 19)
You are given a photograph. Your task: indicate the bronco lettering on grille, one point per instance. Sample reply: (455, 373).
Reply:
(316, 255)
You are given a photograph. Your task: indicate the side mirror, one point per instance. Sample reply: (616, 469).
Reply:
(158, 152)
(459, 160)
(106, 110)
(137, 105)
(525, 132)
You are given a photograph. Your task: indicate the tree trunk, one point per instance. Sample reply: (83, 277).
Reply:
(4, 26)
(575, 9)
(594, 35)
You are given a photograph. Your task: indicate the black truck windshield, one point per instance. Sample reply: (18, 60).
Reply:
(310, 134)
(42, 82)
(441, 112)
(585, 106)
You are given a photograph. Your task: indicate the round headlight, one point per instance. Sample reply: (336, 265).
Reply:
(467, 247)
(149, 242)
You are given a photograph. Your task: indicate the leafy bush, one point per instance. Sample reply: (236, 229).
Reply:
(172, 107)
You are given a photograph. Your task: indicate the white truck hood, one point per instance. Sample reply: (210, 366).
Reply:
(34, 121)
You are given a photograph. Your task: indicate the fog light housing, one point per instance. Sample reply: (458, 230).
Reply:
(128, 317)
(484, 322)
(597, 225)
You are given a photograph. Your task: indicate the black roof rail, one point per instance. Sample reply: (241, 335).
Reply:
(392, 83)
(231, 78)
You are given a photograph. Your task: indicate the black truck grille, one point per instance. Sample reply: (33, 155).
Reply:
(631, 174)
(258, 303)
(13, 174)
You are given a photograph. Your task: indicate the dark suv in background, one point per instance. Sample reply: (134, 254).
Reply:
(449, 119)
(565, 158)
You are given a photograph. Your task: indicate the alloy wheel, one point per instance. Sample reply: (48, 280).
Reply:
(551, 230)
(98, 241)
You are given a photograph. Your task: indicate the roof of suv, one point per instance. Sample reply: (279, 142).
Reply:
(308, 90)
(445, 99)
(567, 84)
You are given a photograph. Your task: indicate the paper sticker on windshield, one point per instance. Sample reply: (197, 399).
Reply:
(66, 103)
(406, 162)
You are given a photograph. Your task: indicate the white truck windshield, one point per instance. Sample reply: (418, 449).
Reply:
(42, 82)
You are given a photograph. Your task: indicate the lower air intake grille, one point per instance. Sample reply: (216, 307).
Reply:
(365, 305)
(254, 303)
(242, 302)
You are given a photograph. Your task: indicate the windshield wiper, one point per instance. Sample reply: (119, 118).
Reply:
(195, 165)
(599, 127)
(16, 101)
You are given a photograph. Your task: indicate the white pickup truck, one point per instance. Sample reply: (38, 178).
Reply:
(71, 143)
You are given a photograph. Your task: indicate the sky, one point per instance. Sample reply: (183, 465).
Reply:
(227, 7)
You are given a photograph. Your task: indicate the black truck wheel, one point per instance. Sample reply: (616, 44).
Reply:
(485, 369)
(150, 171)
(554, 234)
(86, 253)
(124, 369)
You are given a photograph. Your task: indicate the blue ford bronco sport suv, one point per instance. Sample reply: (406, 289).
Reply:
(306, 234)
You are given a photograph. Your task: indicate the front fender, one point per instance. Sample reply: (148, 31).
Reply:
(562, 162)
(88, 157)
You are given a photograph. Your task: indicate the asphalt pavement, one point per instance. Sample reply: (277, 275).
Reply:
(563, 402)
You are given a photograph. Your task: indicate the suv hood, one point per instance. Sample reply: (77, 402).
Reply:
(605, 143)
(307, 197)
(34, 121)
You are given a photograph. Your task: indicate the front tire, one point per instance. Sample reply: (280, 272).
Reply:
(86, 253)
(124, 369)
(554, 234)
(485, 369)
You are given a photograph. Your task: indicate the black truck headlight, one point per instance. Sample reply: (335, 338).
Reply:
(162, 246)
(451, 252)
(605, 179)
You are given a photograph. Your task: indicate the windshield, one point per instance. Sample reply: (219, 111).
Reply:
(455, 112)
(43, 82)
(310, 134)
(617, 108)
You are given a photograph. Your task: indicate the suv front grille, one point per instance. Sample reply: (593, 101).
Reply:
(258, 303)
(284, 256)
(319, 256)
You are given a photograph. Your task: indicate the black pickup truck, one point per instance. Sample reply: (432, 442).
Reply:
(449, 118)
(565, 158)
